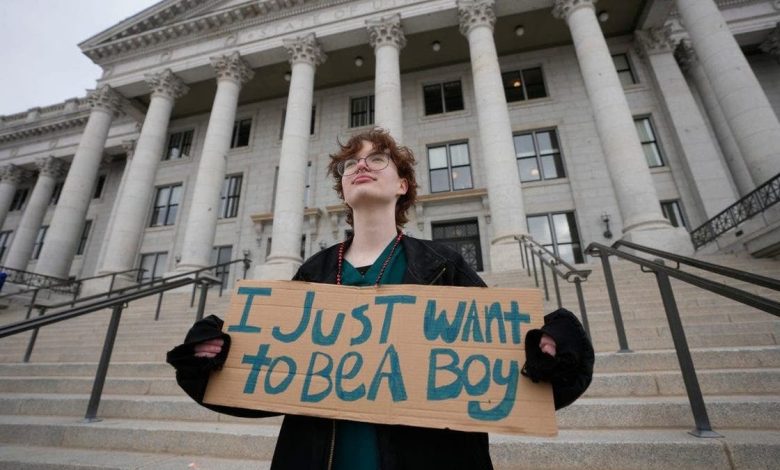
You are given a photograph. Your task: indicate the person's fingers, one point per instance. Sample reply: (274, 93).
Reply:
(547, 345)
(205, 354)
(209, 348)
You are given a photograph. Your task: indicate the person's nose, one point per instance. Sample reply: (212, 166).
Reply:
(361, 165)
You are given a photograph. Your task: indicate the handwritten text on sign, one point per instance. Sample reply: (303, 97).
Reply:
(444, 357)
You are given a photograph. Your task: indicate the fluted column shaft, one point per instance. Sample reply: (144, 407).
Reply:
(686, 56)
(387, 39)
(636, 195)
(305, 55)
(68, 222)
(10, 177)
(201, 228)
(20, 251)
(748, 111)
(132, 208)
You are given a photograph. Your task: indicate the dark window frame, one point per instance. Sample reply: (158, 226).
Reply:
(100, 185)
(362, 117)
(167, 208)
(181, 141)
(654, 142)
(450, 168)
(456, 243)
(222, 272)
(40, 239)
(512, 85)
(628, 70)
(5, 236)
(557, 157)
(672, 210)
(554, 245)
(19, 199)
(230, 196)
(445, 104)
(158, 269)
(85, 231)
(242, 133)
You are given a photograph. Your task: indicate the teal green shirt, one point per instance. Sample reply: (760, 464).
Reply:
(356, 445)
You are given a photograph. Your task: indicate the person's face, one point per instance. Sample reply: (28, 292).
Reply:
(367, 187)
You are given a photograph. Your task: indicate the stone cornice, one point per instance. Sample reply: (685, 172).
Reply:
(386, 31)
(71, 114)
(473, 13)
(562, 8)
(166, 84)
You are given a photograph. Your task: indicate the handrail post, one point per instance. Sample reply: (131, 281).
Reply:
(32, 304)
(159, 305)
(581, 301)
(111, 284)
(703, 427)
(247, 263)
(102, 370)
(522, 256)
(194, 286)
(555, 283)
(202, 300)
(533, 261)
(527, 265)
(544, 277)
(33, 338)
(613, 300)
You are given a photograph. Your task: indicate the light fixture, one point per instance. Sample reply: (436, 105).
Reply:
(177, 258)
(516, 83)
(603, 16)
(247, 253)
(436, 46)
(358, 61)
(607, 231)
(287, 76)
(519, 31)
(534, 172)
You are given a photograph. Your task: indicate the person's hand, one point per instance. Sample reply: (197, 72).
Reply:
(547, 345)
(209, 348)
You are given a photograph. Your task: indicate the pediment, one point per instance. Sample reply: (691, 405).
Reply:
(173, 19)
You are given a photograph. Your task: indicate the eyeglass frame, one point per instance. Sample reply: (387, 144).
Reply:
(340, 168)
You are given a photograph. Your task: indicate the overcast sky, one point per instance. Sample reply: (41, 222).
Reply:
(41, 61)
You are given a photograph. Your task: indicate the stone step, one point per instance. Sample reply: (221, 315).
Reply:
(571, 449)
(748, 412)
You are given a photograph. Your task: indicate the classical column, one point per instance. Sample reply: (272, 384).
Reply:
(713, 188)
(643, 221)
(507, 214)
(689, 63)
(10, 177)
(132, 208)
(387, 38)
(305, 55)
(747, 109)
(64, 233)
(232, 72)
(50, 169)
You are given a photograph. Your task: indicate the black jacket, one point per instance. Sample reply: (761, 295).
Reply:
(307, 442)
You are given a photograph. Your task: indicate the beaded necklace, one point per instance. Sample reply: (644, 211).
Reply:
(342, 247)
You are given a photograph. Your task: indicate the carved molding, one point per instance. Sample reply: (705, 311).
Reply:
(305, 49)
(386, 32)
(14, 174)
(166, 84)
(232, 67)
(772, 43)
(52, 167)
(563, 8)
(106, 99)
(656, 40)
(474, 13)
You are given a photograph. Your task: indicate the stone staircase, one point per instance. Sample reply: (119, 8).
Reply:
(634, 416)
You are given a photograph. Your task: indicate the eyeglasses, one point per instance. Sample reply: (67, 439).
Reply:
(375, 162)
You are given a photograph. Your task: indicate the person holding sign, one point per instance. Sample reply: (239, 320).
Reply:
(376, 179)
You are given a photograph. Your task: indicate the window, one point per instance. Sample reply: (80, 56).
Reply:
(443, 97)
(55, 193)
(166, 204)
(241, 131)
(39, 241)
(5, 237)
(558, 232)
(538, 156)
(84, 236)
(673, 213)
(521, 85)
(179, 145)
(219, 255)
(231, 192)
(311, 123)
(152, 266)
(306, 189)
(623, 67)
(361, 111)
(99, 184)
(20, 197)
(649, 142)
(449, 167)
(303, 247)
(462, 237)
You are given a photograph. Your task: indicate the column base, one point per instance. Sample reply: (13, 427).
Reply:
(672, 239)
(278, 271)
(505, 255)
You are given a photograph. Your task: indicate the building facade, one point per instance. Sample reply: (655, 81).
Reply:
(208, 135)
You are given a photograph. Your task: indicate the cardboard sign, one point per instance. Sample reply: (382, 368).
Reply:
(439, 357)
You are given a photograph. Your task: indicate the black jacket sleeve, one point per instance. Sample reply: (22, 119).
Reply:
(192, 373)
(571, 370)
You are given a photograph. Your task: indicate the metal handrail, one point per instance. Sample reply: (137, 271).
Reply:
(553, 261)
(27, 277)
(117, 304)
(663, 273)
(757, 201)
(752, 278)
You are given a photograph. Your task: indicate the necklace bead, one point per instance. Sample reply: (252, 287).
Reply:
(342, 248)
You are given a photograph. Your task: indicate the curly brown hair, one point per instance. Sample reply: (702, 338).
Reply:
(384, 143)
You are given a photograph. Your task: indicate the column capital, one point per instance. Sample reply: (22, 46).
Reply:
(685, 55)
(656, 40)
(129, 147)
(772, 43)
(166, 84)
(305, 49)
(386, 31)
(106, 99)
(563, 8)
(51, 166)
(14, 174)
(232, 67)
(473, 13)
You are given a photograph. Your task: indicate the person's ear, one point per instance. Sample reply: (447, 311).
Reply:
(403, 187)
